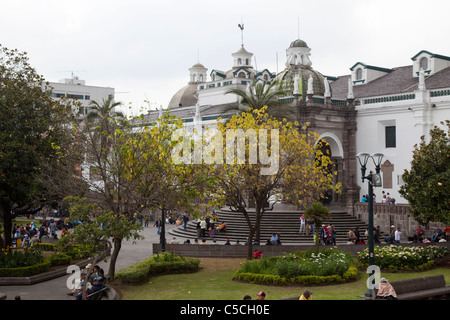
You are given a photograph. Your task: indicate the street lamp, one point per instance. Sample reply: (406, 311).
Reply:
(374, 181)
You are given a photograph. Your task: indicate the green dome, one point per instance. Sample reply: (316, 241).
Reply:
(286, 79)
(298, 43)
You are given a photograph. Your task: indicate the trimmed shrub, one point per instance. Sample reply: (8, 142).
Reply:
(301, 267)
(160, 263)
(25, 271)
(60, 259)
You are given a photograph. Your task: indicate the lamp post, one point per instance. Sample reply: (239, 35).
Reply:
(162, 237)
(374, 181)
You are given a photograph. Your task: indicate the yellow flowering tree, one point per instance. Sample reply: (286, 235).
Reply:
(254, 157)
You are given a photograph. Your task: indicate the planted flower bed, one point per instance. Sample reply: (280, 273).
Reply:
(301, 267)
(394, 258)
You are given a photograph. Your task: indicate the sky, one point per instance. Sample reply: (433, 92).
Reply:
(144, 49)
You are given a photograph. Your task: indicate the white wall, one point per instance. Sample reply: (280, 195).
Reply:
(410, 124)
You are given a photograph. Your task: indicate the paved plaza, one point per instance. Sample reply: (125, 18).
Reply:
(56, 289)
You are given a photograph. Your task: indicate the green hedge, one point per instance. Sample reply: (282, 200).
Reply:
(267, 279)
(26, 271)
(46, 246)
(60, 259)
(157, 264)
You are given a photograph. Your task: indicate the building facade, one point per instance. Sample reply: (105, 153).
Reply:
(372, 109)
(76, 89)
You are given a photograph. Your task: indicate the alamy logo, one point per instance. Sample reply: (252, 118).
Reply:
(191, 148)
(374, 279)
(75, 276)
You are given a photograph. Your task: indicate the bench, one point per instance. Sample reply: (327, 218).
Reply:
(97, 295)
(422, 288)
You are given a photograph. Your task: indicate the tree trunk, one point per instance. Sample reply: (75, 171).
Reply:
(258, 216)
(250, 244)
(114, 255)
(7, 223)
(317, 233)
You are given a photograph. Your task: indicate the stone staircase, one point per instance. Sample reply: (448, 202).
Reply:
(287, 223)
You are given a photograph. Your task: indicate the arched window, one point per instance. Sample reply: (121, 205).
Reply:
(239, 61)
(241, 75)
(246, 62)
(424, 63)
(266, 77)
(359, 74)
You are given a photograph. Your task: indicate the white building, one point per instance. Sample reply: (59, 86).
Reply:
(77, 89)
(372, 109)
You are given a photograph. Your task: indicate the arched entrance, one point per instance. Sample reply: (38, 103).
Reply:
(331, 145)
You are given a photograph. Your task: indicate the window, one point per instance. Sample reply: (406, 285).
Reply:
(424, 63)
(241, 75)
(359, 74)
(246, 62)
(239, 61)
(390, 137)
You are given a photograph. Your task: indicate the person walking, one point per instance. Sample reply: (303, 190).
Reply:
(302, 225)
(332, 236)
(157, 224)
(397, 235)
(185, 220)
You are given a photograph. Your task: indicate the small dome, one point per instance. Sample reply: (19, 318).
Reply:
(298, 44)
(287, 76)
(198, 65)
(184, 97)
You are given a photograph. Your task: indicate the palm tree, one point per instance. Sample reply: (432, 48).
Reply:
(317, 212)
(258, 95)
(104, 112)
(104, 118)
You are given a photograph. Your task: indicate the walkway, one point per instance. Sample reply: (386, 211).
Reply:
(56, 289)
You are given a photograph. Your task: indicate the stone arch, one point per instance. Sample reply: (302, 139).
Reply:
(337, 150)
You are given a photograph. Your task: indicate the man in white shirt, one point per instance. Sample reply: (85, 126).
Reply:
(397, 235)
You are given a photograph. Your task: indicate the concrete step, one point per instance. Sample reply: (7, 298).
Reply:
(286, 223)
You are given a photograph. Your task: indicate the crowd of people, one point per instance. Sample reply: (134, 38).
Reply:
(385, 198)
(28, 234)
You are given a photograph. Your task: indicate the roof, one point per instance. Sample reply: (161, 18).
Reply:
(371, 67)
(242, 51)
(439, 56)
(298, 43)
(184, 96)
(399, 80)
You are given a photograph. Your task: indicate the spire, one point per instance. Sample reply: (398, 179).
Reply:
(327, 93)
(350, 94)
(241, 26)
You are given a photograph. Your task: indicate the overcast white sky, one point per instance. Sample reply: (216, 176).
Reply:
(144, 49)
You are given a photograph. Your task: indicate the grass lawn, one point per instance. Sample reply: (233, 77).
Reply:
(214, 282)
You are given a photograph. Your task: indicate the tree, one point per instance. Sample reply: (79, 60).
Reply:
(159, 181)
(427, 183)
(32, 128)
(317, 212)
(258, 95)
(293, 167)
(130, 171)
(104, 139)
